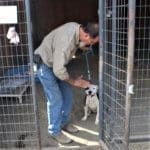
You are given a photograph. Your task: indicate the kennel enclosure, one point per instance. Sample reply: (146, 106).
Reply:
(124, 62)
(124, 72)
(18, 119)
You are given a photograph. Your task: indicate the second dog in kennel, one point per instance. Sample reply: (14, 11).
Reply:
(91, 103)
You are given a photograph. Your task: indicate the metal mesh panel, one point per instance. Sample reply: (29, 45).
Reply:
(140, 106)
(116, 69)
(18, 126)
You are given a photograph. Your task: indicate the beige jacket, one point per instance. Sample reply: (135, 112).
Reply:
(58, 47)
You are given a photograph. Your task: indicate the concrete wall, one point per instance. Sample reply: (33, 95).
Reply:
(48, 14)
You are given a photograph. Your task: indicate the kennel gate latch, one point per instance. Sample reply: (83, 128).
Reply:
(130, 89)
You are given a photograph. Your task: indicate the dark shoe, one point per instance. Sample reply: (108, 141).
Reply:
(61, 138)
(70, 128)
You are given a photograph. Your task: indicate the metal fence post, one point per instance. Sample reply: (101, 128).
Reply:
(131, 39)
(101, 52)
(27, 7)
(113, 82)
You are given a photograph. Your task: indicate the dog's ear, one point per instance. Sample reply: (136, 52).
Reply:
(86, 88)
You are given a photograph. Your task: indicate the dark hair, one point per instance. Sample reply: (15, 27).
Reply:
(92, 28)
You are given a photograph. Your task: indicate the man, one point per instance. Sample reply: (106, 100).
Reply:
(55, 51)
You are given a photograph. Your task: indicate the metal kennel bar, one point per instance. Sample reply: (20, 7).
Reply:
(140, 102)
(124, 72)
(18, 112)
(130, 62)
(115, 73)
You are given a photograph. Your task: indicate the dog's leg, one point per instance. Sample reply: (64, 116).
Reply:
(85, 113)
(97, 114)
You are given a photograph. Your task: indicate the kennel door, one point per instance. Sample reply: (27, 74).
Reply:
(116, 54)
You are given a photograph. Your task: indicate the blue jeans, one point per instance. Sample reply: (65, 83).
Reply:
(59, 99)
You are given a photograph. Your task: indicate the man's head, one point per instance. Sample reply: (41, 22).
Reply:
(89, 34)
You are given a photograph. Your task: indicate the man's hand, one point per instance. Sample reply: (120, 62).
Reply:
(79, 82)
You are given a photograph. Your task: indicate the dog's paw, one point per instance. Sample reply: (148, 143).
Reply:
(84, 118)
(96, 122)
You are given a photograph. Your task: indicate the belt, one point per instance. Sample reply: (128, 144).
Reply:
(37, 59)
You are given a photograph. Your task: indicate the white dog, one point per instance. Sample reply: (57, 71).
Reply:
(91, 103)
